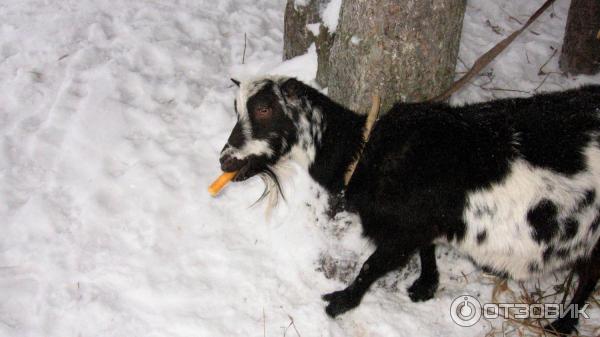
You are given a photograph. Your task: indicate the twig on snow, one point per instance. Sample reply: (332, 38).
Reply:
(244, 53)
(541, 70)
(293, 325)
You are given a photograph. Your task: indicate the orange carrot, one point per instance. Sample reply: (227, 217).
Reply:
(220, 182)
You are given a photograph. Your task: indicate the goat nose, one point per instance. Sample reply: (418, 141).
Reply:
(230, 164)
(224, 158)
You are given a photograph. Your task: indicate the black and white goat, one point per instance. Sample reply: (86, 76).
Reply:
(511, 183)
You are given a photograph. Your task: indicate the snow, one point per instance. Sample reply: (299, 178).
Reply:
(303, 67)
(112, 116)
(518, 70)
(331, 14)
(313, 28)
(300, 3)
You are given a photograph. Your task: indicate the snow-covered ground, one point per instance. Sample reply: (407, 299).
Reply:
(112, 115)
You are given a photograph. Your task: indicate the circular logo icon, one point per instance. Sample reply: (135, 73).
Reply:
(465, 310)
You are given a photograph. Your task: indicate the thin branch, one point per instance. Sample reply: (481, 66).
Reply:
(541, 70)
(542, 83)
(465, 66)
(567, 287)
(244, 53)
(293, 325)
(504, 89)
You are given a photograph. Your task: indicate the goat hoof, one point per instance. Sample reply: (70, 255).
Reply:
(562, 327)
(339, 302)
(422, 289)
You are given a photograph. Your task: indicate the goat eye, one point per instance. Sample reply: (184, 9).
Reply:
(263, 113)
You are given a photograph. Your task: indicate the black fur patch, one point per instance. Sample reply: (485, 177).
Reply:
(548, 253)
(481, 237)
(595, 223)
(570, 228)
(456, 231)
(555, 135)
(278, 123)
(543, 220)
(588, 200)
(534, 267)
(563, 253)
(236, 138)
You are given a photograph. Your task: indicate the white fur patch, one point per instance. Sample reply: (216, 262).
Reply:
(309, 136)
(501, 212)
(304, 157)
(253, 147)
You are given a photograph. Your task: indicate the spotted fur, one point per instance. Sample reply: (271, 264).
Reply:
(511, 183)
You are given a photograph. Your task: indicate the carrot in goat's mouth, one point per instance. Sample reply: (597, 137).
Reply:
(220, 182)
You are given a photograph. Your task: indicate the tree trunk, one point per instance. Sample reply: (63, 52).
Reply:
(298, 37)
(581, 47)
(402, 50)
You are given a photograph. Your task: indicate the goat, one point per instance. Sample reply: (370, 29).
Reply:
(510, 183)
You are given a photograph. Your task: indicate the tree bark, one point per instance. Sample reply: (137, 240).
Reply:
(402, 50)
(581, 47)
(297, 36)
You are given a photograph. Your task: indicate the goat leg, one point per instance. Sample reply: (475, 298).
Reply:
(425, 286)
(382, 261)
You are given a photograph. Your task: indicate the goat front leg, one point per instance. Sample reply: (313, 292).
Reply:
(425, 286)
(382, 261)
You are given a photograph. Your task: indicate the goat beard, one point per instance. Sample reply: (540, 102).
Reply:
(273, 189)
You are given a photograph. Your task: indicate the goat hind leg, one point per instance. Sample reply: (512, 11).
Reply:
(589, 274)
(377, 265)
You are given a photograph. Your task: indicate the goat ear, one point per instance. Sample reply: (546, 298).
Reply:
(236, 82)
(292, 88)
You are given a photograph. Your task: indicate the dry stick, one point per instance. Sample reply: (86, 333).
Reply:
(525, 295)
(530, 325)
(487, 58)
(567, 287)
(510, 16)
(542, 83)
(499, 287)
(244, 53)
(462, 62)
(294, 325)
(371, 118)
(536, 324)
(464, 276)
(504, 89)
(541, 70)
(286, 329)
